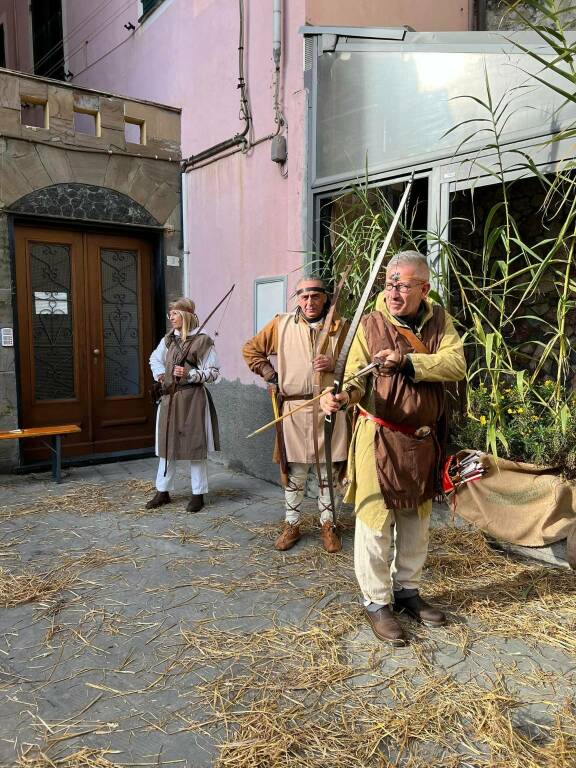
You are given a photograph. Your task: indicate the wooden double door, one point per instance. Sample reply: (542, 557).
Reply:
(85, 333)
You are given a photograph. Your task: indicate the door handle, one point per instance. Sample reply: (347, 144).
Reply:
(96, 352)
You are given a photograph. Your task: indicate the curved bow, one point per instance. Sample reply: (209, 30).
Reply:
(319, 349)
(345, 351)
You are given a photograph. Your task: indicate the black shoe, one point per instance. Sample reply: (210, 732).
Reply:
(196, 503)
(419, 609)
(161, 497)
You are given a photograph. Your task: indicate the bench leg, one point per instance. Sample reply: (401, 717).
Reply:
(57, 458)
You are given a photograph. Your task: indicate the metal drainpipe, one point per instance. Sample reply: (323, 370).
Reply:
(239, 138)
(185, 248)
(277, 32)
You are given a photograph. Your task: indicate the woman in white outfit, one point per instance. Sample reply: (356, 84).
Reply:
(186, 424)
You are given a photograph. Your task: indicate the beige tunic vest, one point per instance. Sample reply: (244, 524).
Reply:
(296, 350)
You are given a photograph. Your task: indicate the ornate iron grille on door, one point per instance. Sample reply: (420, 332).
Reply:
(120, 317)
(52, 342)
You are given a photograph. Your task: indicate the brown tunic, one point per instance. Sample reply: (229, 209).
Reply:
(406, 466)
(186, 437)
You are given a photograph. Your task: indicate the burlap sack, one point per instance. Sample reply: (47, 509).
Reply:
(520, 503)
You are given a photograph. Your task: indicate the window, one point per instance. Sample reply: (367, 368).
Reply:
(147, 6)
(47, 38)
(34, 112)
(2, 47)
(269, 299)
(134, 131)
(87, 121)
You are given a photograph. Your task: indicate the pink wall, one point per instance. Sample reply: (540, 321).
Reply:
(15, 15)
(244, 218)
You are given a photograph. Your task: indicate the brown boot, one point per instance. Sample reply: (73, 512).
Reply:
(329, 537)
(161, 497)
(419, 609)
(196, 503)
(385, 626)
(289, 536)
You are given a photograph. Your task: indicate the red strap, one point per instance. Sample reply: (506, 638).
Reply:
(388, 424)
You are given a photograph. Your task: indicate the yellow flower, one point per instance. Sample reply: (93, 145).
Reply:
(520, 410)
(510, 410)
(482, 420)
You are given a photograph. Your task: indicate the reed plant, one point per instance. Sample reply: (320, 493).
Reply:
(511, 287)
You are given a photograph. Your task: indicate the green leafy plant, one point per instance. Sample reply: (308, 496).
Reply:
(530, 429)
(514, 293)
(507, 277)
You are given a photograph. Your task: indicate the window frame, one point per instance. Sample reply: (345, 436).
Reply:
(283, 280)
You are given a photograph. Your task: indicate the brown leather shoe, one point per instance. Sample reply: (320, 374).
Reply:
(330, 539)
(161, 497)
(386, 626)
(289, 536)
(420, 610)
(196, 503)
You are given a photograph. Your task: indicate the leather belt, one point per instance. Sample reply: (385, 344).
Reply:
(403, 428)
(166, 389)
(290, 398)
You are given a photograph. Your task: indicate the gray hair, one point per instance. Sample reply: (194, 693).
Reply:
(315, 278)
(411, 258)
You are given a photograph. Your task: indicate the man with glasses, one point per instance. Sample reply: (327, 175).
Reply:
(305, 357)
(396, 451)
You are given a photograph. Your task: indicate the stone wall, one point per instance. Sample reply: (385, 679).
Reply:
(60, 173)
(8, 397)
(497, 18)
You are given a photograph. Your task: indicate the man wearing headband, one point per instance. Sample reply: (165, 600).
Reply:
(303, 354)
(395, 455)
(186, 424)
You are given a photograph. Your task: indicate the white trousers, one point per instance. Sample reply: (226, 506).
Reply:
(385, 561)
(294, 492)
(198, 476)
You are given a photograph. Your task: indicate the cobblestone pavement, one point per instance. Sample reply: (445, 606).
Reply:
(164, 638)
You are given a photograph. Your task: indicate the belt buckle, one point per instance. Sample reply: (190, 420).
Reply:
(422, 432)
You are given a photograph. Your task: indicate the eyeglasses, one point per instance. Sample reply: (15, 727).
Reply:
(402, 287)
(170, 315)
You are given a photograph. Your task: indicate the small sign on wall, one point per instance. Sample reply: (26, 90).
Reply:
(173, 261)
(48, 303)
(7, 337)
(269, 299)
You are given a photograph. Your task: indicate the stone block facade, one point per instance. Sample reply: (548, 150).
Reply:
(57, 173)
(498, 17)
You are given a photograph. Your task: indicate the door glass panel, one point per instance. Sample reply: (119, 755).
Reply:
(52, 335)
(121, 322)
(381, 108)
(356, 222)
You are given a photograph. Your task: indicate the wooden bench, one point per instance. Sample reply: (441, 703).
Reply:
(55, 445)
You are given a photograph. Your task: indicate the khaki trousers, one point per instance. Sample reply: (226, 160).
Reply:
(392, 558)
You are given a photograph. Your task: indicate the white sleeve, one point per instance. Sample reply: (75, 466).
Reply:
(208, 369)
(158, 360)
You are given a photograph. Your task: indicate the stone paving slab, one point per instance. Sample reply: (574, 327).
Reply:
(109, 661)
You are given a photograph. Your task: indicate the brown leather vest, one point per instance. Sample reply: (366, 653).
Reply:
(407, 466)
